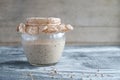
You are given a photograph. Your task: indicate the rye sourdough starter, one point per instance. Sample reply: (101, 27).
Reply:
(43, 39)
(44, 52)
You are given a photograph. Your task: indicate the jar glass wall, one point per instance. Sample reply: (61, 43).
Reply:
(43, 49)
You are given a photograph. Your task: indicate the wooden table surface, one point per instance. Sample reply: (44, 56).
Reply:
(77, 63)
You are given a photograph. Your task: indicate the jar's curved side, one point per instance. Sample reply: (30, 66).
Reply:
(43, 49)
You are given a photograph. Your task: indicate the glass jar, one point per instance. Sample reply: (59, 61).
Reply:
(43, 49)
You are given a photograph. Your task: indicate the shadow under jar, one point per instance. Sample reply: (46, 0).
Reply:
(43, 49)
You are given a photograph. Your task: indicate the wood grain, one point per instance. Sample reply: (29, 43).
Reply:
(95, 22)
(91, 62)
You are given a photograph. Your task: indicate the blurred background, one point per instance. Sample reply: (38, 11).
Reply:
(96, 22)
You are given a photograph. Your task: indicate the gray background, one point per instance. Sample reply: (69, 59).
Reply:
(95, 21)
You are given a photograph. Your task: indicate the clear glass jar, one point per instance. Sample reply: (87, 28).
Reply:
(43, 49)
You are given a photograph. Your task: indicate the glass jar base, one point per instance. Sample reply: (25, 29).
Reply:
(43, 65)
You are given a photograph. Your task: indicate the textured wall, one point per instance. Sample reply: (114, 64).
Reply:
(95, 21)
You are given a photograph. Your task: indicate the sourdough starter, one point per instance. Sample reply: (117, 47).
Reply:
(43, 52)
